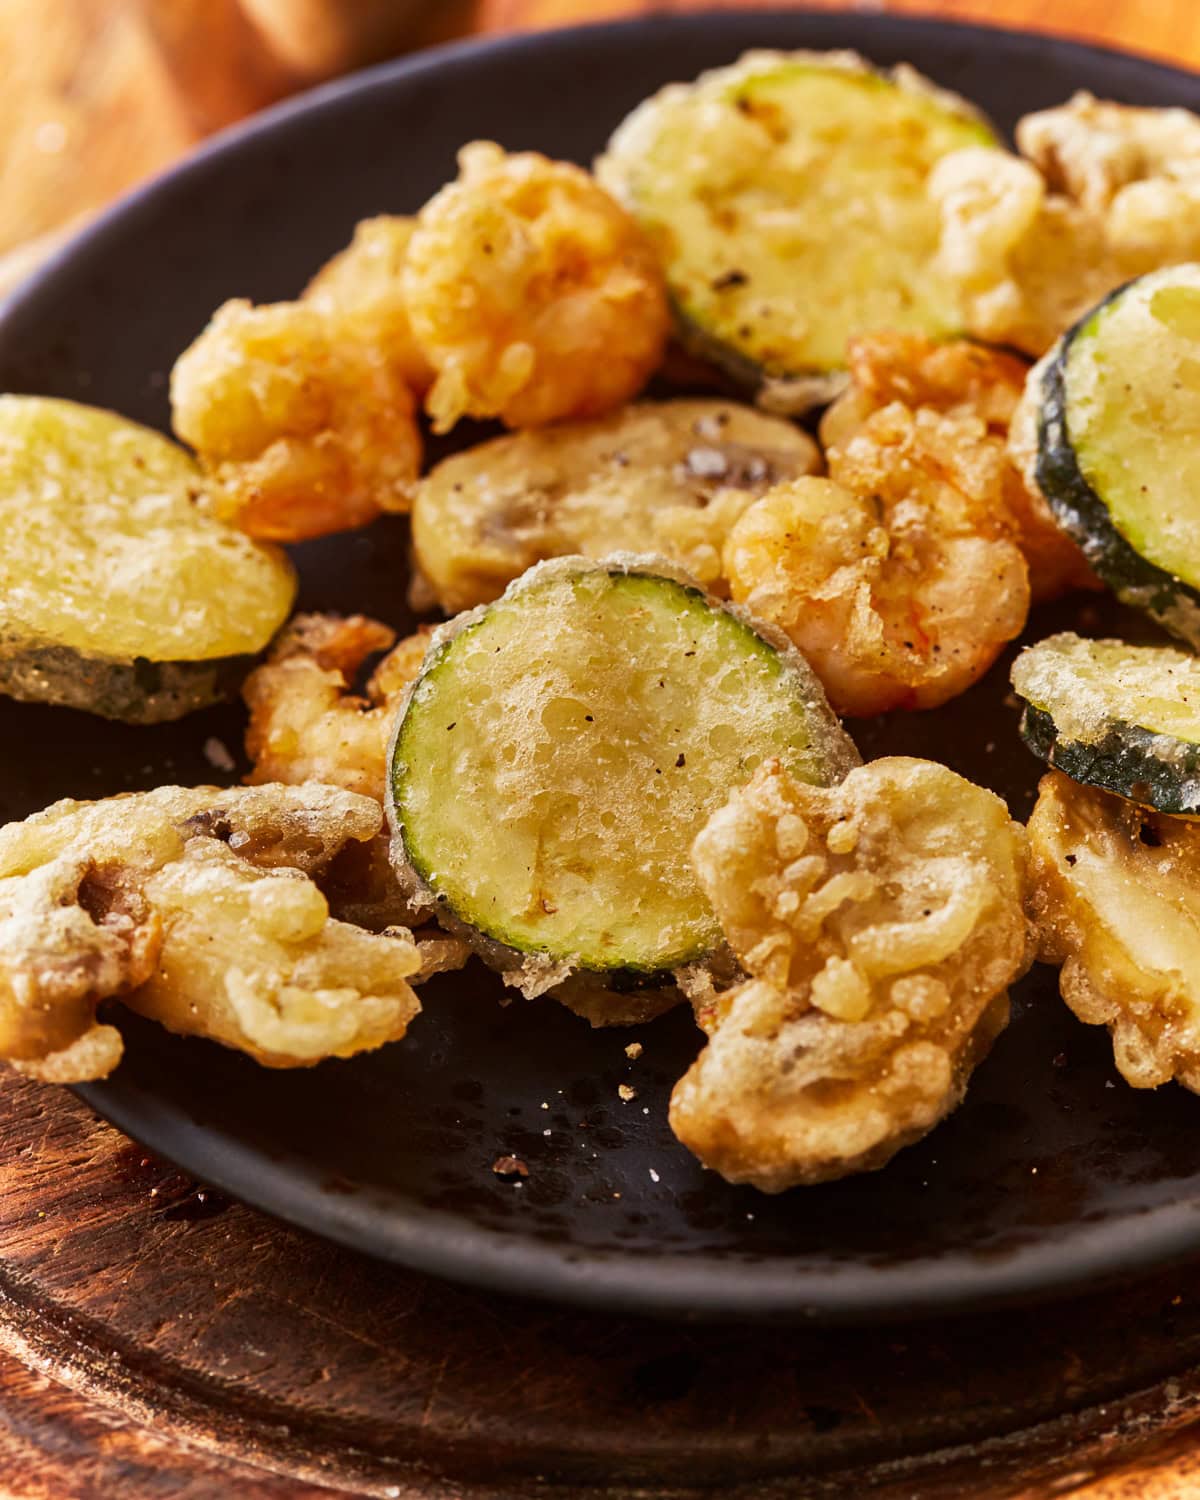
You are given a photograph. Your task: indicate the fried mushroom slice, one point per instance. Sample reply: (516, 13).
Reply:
(362, 291)
(77, 920)
(668, 477)
(964, 381)
(532, 293)
(251, 959)
(881, 923)
(1115, 890)
(898, 577)
(302, 428)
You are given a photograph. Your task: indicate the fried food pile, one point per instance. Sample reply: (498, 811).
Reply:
(880, 923)
(306, 724)
(716, 583)
(199, 907)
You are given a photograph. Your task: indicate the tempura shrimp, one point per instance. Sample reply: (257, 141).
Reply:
(532, 293)
(898, 576)
(302, 428)
(962, 379)
(306, 724)
(361, 290)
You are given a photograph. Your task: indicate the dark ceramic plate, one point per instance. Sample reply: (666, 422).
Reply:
(1052, 1175)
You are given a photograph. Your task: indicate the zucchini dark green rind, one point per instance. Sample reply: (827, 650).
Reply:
(786, 197)
(1117, 408)
(119, 592)
(1124, 718)
(563, 746)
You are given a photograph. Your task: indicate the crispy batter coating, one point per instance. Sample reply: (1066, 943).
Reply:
(303, 427)
(898, 576)
(1116, 896)
(1092, 150)
(306, 724)
(95, 903)
(667, 477)
(1104, 192)
(962, 380)
(252, 959)
(361, 289)
(881, 923)
(532, 293)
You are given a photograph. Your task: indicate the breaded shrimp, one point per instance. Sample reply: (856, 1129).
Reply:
(898, 576)
(961, 379)
(532, 293)
(302, 428)
(362, 290)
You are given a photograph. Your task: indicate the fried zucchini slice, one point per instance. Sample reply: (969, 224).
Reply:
(562, 747)
(785, 195)
(881, 923)
(120, 593)
(1116, 405)
(1116, 895)
(1122, 717)
(668, 477)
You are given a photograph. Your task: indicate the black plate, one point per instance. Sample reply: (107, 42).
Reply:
(1053, 1174)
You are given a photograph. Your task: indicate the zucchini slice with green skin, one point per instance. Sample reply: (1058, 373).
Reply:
(786, 197)
(563, 746)
(119, 592)
(1124, 718)
(1117, 405)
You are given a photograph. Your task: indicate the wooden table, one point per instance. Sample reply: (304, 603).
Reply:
(158, 1343)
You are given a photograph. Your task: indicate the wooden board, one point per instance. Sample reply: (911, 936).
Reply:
(159, 1341)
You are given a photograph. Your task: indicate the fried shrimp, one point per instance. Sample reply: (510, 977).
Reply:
(881, 923)
(1116, 896)
(532, 293)
(306, 724)
(362, 291)
(1102, 193)
(962, 380)
(302, 428)
(197, 906)
(898, 576)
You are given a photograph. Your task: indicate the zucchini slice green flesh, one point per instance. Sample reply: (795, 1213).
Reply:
(1124, 718)
(639, 480)
(564, 745)
(786, 197)
(1117, 451)
(119, 592)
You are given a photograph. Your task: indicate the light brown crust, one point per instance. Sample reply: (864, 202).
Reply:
(196, 905)
(881, 923)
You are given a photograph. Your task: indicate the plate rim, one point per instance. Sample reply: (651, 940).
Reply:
(1075, 1260)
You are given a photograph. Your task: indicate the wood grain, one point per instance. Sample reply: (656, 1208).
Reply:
(159, 1343)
